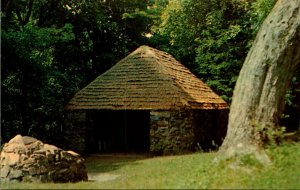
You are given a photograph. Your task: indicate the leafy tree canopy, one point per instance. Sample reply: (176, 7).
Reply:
(51, 49)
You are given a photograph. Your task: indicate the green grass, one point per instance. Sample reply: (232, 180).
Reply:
(189, 171)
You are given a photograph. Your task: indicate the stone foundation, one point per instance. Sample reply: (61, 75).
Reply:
(180, 131)
(171, 132)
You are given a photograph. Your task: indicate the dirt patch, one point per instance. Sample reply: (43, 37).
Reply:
(101, 177)
(100, 166)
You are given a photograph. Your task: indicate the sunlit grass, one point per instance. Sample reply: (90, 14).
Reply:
(189, 171)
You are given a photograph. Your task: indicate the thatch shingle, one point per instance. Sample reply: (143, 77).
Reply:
(147, 79)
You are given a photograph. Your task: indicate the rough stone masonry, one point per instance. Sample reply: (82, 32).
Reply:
(28, 159)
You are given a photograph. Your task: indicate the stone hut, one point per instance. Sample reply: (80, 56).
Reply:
(148, 101)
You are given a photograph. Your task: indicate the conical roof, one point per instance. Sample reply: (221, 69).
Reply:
(147, 79)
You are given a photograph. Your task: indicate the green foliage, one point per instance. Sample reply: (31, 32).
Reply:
(33, 88)
(272, 136)
(292, 104)
(51, 49)
(261, 9)
(210, 37)
(223, 47)
(176, 34)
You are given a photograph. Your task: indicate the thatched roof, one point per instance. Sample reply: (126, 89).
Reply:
(147, 79)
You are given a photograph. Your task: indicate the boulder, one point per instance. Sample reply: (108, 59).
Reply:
(29, 159)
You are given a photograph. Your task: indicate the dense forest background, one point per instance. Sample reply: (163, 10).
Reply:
(52, 48)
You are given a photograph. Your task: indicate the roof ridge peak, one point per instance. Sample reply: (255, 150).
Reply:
(152, 79)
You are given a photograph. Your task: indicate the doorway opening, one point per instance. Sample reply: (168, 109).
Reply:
(117, 131)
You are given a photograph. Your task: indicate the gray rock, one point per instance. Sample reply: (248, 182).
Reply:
(28, 159)
(15, 174)
(4, 171)
(28, 140)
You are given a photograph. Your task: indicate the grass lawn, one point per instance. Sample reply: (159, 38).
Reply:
(186, 171)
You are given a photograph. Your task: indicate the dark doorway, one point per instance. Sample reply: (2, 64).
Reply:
(117, 131)
(210, 128)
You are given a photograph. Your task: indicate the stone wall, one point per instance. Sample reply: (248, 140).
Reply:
(30, 160)
(180, 131)
(171, 132)
(75, 131)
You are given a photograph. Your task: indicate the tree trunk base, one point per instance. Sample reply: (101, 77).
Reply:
(241, 150)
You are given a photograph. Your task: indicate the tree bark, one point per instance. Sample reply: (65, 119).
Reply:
(258, 99)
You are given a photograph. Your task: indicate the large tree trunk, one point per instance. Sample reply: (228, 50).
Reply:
(258, 99)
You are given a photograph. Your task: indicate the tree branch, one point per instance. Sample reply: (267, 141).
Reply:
(20, 18)
(30, 6)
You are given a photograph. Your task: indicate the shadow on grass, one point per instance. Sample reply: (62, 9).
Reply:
(102, 163)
